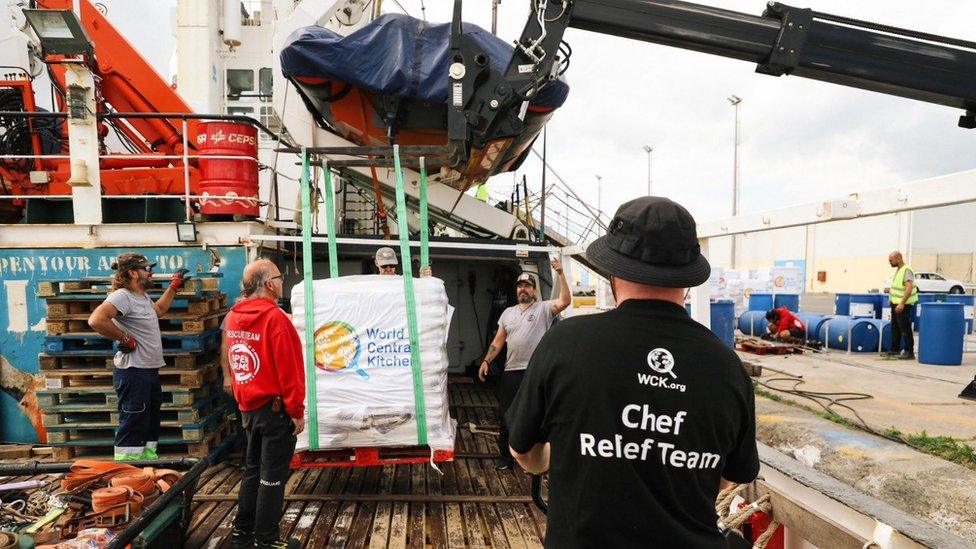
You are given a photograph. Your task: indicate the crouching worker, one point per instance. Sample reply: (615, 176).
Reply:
(785, 325)
(265, 363)
(129, 317)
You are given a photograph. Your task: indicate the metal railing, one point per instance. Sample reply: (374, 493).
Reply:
(568, 218)
(183, 158)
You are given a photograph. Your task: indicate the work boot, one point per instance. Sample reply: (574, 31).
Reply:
(240, 539)
(502, 464)
(290, 543)
(889, 354)
(906, 356)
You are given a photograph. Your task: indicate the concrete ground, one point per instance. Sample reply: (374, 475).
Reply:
(930, 488)
(909, 396)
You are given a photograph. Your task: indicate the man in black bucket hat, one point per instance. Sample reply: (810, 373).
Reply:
(640, 414)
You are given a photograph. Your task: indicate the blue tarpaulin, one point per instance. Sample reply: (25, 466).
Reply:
(396, 55)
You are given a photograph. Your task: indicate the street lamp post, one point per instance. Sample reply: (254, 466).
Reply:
(599, 197)
(735, 100)
(648, 149)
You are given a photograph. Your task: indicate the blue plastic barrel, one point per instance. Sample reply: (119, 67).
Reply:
(882, 302)
(812, 322)
(861, 335)
(753, 323)
(967, 307)
(723, 321)
(885, 327)
(760, 302)
(864, 306)
(790, 301)
(842, 304)
(917, 310)
(940, 339)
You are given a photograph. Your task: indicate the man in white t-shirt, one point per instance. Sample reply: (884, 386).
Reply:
(521, 327)
(131, 318)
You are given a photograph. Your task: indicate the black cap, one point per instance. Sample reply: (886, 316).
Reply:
(651, 240)
(130, 260)
(525, 278)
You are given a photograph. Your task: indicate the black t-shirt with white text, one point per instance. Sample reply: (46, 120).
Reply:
(645, 410)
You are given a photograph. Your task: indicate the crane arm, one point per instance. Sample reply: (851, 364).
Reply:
(485, 104)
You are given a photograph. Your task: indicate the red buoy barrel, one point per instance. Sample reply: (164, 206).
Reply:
(228, 178)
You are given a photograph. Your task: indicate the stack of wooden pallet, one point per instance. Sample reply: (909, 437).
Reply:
(78, 401)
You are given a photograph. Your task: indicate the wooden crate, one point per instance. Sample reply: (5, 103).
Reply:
(97, 396)
(94, 345)
(101, 286)
(61, 307)
(65, 415)
(102, 433)
(102, 377)
(170, 323)
(174, 359)
(167, 447)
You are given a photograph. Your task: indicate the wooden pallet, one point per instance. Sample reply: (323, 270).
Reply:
(170, 323)
(60, 307)
(167, 447)
(94, 345)
(97, 396)
(102, 377)
(766, 348)
(180, 360)
(103, 433)
(66, 414)
(102, 286)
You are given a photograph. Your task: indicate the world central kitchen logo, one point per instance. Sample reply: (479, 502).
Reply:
(661, 361)
(338, 348)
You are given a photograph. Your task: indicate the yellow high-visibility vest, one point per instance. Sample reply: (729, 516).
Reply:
(898, 287)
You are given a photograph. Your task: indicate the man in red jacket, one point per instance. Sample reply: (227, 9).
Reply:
(265, 364)
(784, 325)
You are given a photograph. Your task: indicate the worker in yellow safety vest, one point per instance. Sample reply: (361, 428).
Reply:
(482, 192)
(903, 296)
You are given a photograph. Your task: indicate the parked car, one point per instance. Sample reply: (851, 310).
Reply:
(929, 282)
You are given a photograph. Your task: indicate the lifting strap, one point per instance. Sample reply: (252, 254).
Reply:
(311, 397)
(403, 229)
(330, 220)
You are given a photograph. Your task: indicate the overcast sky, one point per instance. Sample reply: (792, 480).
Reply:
(801, 140)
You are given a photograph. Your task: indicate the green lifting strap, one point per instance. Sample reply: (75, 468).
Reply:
(310, 395)
(330, 219)
(403, 228)
(424, 225)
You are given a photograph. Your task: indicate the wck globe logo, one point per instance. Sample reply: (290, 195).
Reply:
(337, 348)
(662, 362)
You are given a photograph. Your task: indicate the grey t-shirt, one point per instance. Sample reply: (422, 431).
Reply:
(137, 317)
(523, 330)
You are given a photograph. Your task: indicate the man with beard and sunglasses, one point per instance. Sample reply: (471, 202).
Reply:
(521, 327)
(129, 317)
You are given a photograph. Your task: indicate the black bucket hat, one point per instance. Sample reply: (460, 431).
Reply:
(651, 240)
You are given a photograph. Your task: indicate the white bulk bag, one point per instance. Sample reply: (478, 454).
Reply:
(363, 378)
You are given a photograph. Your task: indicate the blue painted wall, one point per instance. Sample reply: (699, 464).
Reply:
(22, 329)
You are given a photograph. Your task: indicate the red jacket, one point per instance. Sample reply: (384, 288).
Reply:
(788, 320)
(265, 356)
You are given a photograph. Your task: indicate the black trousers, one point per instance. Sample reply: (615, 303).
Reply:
(508, 385)
(270, 445)
(140, 396)
(901, 329)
